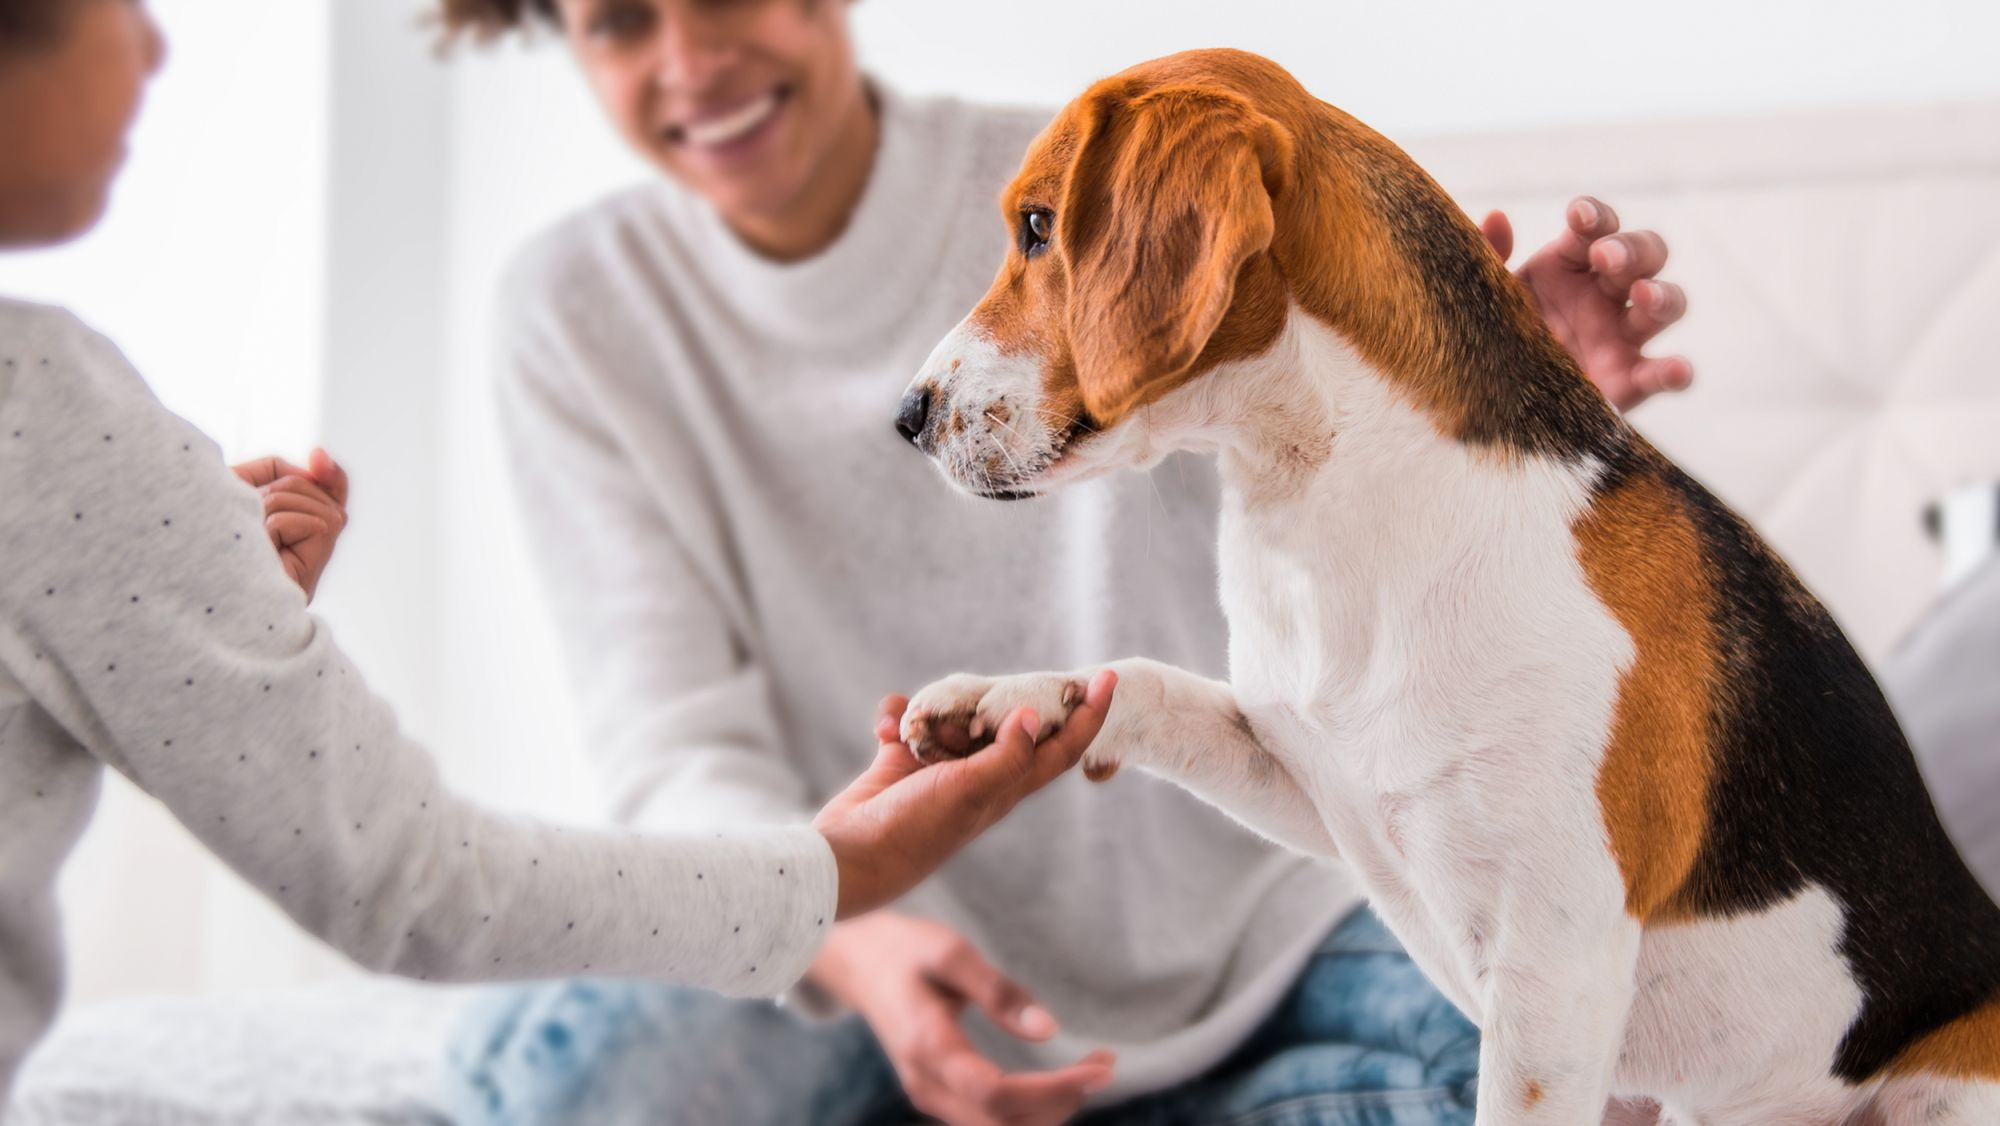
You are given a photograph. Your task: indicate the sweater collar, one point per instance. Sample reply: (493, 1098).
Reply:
(879, 266)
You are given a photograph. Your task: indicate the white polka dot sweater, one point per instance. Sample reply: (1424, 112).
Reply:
(146, 625)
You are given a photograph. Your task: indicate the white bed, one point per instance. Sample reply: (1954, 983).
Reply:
(1844, 274)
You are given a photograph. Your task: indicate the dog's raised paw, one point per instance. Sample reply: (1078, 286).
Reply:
(959, 715)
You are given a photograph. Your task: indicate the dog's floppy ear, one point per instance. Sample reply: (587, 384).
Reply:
(1169, 194)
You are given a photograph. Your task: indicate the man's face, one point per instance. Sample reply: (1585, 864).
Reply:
(740, 100)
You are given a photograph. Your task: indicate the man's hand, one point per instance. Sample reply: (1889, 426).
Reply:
(1596, 288)
(910, 979)
(305, 510)
(897, 823)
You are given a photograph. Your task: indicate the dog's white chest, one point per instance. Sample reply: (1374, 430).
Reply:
(1416, 640)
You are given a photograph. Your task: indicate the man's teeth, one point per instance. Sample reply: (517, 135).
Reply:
(730, 126)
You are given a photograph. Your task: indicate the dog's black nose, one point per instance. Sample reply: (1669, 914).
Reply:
(910, 417)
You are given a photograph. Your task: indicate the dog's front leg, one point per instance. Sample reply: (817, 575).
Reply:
(1556, 1002)
(1166, 720)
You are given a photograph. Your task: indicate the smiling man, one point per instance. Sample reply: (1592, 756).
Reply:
(743, 557)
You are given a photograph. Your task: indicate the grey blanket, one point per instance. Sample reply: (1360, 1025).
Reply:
(1945, 684)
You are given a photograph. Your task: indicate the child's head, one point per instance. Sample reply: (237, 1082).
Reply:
(743, 101)
(71, 75)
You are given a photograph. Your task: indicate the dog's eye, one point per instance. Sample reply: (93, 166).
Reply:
(1038, 226)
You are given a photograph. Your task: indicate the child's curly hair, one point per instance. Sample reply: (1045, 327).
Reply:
(484, 19)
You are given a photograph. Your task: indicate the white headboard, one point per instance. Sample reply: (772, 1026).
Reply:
(1843, 276)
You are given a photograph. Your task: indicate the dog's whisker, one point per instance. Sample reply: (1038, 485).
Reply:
(1012, 461)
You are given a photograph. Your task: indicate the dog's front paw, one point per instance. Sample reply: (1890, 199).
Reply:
(959, 714)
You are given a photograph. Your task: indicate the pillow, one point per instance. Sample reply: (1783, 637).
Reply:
(1944, 681)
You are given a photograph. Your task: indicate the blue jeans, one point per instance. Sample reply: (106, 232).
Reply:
(1361, 1040)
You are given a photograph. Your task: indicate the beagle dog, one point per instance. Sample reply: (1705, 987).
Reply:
(1611, 773)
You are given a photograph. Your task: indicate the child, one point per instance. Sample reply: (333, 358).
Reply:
(145, 625)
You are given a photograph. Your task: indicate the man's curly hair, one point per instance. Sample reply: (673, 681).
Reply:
(484, 19)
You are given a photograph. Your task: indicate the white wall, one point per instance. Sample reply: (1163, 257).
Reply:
(1453, 65)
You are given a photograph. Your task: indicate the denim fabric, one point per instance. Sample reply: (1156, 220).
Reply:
(1361, 1040)
(607, 1053)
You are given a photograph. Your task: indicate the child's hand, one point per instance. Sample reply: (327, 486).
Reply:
(895, 824)
(305, 510)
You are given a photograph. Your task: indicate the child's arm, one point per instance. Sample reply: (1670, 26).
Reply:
(140, 609)
(305, 510)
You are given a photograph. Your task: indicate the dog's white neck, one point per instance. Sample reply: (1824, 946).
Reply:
(1270, 420)
(1346, 512)
(1308, 426)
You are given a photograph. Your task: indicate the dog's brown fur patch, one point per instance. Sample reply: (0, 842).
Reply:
(1641, 553)
(1099, 772)
(1967, 1048)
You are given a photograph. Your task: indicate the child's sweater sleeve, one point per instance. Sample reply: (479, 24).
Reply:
(142, 605)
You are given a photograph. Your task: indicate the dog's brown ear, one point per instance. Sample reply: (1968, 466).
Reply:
(1169, 194)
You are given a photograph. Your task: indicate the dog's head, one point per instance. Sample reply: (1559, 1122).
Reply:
(1140, 223)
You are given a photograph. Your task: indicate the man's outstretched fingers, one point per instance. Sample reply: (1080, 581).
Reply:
(968, 1075)
(966, 972)
(1655, 305)
(1499, 232)
(1662, 373)
(1626, 258)
(1586, 220)
(1063, 1089)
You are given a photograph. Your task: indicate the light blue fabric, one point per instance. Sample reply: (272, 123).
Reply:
(1361, 1040)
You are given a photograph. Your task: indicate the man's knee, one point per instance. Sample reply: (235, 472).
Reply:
(608, 1051)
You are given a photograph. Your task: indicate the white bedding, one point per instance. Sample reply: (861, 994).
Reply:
(348, 1053)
